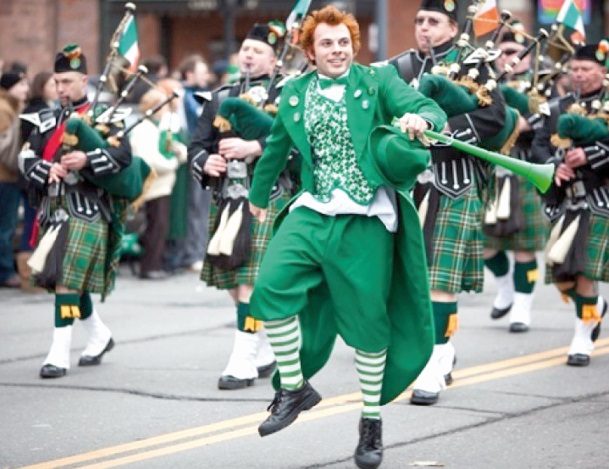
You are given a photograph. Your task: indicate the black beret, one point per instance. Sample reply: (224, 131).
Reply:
(70, 59)
(593, 52)
(269, 33)
(448, 7)
(515, 34)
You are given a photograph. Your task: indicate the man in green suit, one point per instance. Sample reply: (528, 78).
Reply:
(348, 258)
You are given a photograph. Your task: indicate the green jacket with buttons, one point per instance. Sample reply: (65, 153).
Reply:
(374, 96)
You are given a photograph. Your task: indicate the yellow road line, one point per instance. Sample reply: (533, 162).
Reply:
(230, 429)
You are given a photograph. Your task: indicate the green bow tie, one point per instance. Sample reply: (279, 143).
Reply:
(327, 82)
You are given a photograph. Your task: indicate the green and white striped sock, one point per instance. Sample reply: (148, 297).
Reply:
(284, 337)
(371, 368)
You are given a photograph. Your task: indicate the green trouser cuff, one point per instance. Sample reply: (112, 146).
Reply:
(499, 264)
(586, 308)
(86, 305)
(445, 320)
(246, 322)
(525, 276)
(67, 308)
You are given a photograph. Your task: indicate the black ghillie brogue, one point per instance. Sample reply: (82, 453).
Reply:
(89, 360)
(286, 406)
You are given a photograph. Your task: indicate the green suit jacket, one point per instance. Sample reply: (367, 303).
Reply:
(374, 96)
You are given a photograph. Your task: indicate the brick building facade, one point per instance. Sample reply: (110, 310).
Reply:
(31, 31)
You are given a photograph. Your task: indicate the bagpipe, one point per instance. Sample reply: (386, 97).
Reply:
(250, 117)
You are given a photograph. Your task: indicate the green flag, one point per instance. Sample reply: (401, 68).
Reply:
(127, 45)
(571, 16)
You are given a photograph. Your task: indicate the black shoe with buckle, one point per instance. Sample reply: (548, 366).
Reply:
(90, 360)
(420, 397)
(497, 313)
(518, 327)
(578, 359)
(369, 451)
(230, 382)
(52, 371)
(286, 406)
(266, 370)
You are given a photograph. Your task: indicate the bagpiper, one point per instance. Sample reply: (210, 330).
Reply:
(576, 140)
(81, 222)
(513, 220)
(229, 137)
(448, 195)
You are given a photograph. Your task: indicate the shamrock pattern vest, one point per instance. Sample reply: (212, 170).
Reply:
(334, 163)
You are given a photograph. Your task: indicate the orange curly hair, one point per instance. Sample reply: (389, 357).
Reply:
(332, 16)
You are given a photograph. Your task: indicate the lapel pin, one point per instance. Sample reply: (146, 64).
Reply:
(293, 101)
(357, 93)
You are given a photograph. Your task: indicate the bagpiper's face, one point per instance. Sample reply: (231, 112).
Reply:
(332, 49)
(256, 58)
(586, 75)
(71, 87)
(433, 28)
(510, 50)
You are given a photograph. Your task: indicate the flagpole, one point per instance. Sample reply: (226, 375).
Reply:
(103, 78)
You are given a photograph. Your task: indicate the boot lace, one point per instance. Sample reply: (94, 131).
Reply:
(371, 434)
(276, 402)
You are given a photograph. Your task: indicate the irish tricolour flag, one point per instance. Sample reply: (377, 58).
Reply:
(487, 18)
(570, 15)
(127, 45)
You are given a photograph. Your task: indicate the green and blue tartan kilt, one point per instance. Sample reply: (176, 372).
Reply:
(457, 245)
(261, 235)
(84, 263)
(534, 234)
(597, 251)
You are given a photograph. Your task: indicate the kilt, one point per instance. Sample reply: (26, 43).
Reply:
(457, 245)
(597, 251)
(84, 263)
(261, 235)
(534, 233)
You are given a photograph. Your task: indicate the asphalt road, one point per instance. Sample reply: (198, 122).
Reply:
(153, 403)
